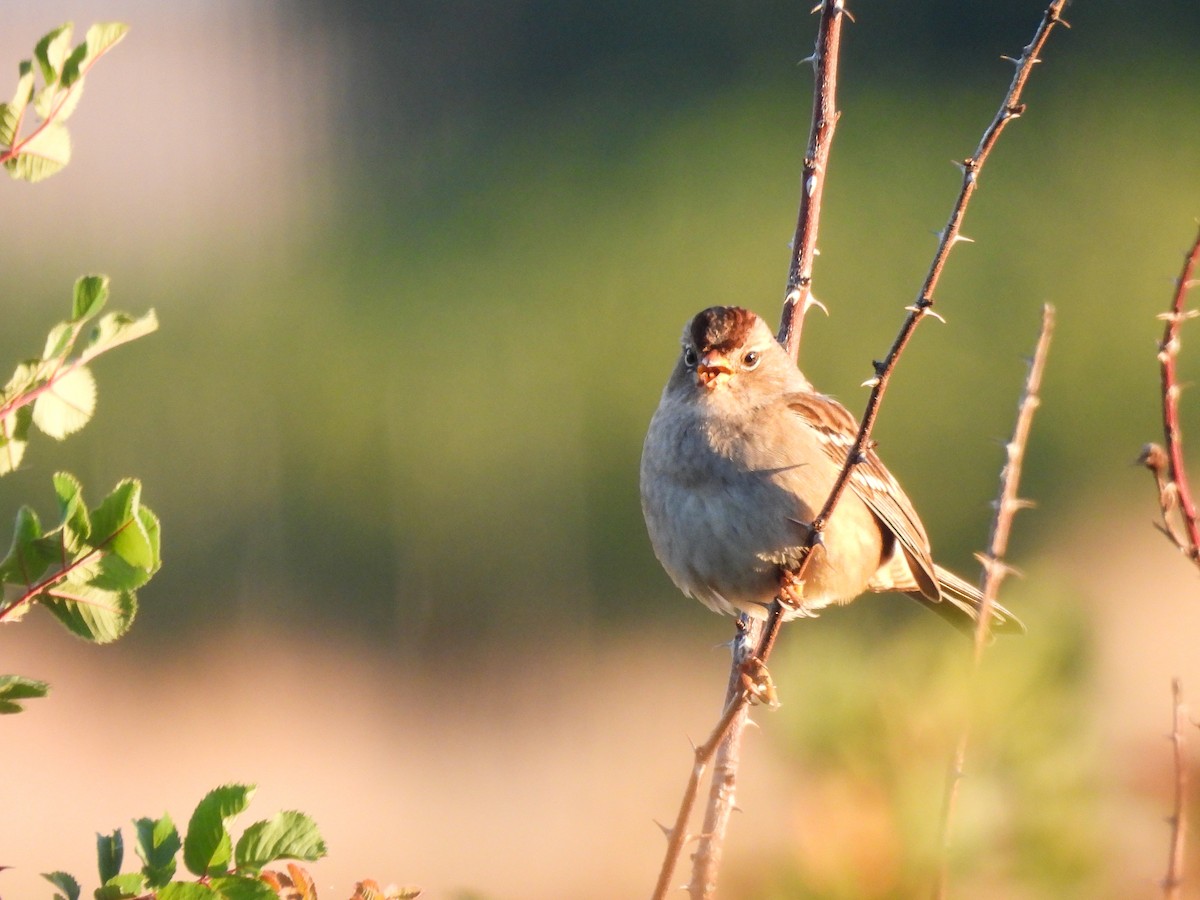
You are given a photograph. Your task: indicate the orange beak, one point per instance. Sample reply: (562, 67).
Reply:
(713, 370)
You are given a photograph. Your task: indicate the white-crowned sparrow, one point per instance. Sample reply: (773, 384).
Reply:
(741, 455)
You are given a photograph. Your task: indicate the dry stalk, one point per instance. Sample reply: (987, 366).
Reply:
(706, 862)
(796, 303)
(1179, 519)
(1007, 504)
(1172, 884)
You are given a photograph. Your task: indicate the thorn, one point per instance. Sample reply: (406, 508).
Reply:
(879, 366)
(813, 301)
(989, 564)
(667, 832)
(1011, 59)
(959, 164)
(871, 382)
(964, 239)
(811, 60)
(816, 9)
(926, 308)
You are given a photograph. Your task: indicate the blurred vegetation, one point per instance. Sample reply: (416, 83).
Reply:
(419, 423)
(426, 416)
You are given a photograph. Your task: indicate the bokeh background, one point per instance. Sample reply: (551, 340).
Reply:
(421, 268)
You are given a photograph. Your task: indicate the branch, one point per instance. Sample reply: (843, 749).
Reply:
(798, 296)
(1179, 519)
(1172, 883)
(1007, 504)
(744, 688)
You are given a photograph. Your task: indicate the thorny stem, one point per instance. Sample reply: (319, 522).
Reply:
(798, 294)
(1010, 108)
(726, 739)
(1172, 884)
(1008, 503)
(1174, 494)
(795, 305)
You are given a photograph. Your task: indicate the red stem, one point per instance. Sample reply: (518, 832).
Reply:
(1168, 353)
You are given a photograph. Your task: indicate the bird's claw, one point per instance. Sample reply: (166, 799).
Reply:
(757, 683)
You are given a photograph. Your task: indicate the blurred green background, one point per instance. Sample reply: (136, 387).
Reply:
(421, 268)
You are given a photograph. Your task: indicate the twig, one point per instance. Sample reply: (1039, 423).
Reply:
(1008, 503)
(797, 303)
(1172, 883)
(798, 298)
(1174, 495)
(723, 787)
(798, 295)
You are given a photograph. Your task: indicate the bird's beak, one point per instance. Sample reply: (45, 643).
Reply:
(712, 370)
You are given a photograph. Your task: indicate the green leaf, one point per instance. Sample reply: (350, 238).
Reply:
(71, 69)
(89, 612)
(42, 155)
(286, 835)
(187, 890)
(72, 510)
(104, 35)
(207, 848)
(116, 328)
(117, 527)
(9, 119)
(242, 887)
(51, 52)
(100, 38)
(10, 113)
(110, 853)
(59, 341)
(14, 437)
(157, 843)
(65, 883)
(122, 887)
(91, 292)
(15, 688)
(25, 562)
(153, 531)
(67, 404)
(24, 379)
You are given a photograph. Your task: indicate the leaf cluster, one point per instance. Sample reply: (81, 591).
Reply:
(47, 147)
(86, 567)
(56, 391)
(222, 869)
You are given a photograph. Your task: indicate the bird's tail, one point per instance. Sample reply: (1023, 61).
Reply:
(960, 606)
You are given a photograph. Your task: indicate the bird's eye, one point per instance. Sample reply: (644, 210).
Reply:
(751, 359)
(689, 357)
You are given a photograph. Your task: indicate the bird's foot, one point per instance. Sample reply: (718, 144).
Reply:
(757, 683)
(791, 596)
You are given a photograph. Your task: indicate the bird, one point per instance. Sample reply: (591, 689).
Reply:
(739, 458)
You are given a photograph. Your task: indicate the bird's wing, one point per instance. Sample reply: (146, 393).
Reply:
(873, 484)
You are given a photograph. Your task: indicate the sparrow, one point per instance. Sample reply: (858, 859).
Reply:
(741, 455)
